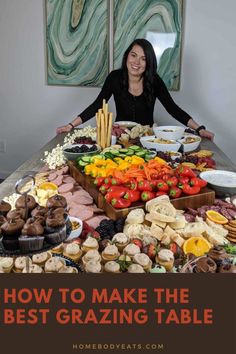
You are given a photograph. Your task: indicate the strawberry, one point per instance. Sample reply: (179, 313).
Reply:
(137, 242)
(77, 240)
(96, 235)
(150, 250)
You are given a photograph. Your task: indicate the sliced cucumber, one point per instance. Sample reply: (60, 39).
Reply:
(92, 158)
(114, 152)
(122, 155)
(123, 151)
(86, 159)
(140, 153)
(130, 153)
(134, 147)
(82, 163)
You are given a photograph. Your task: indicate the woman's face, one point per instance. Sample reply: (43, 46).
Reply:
(136, 61)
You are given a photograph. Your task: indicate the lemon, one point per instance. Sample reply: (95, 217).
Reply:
(216, 217)
(197, 246)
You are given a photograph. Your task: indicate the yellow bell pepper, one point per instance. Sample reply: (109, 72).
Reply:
(160, 161)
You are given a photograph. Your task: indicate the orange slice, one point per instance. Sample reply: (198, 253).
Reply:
(197, 246)
(48, 185)
(216, 217)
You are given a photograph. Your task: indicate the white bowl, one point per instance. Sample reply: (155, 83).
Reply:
(113, 140)
(169, 132)
(75, 233)
(151, 144)
(144, 139)
(190, 146)
(223, 182)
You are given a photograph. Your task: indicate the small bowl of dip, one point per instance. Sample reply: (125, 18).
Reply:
(223, 182)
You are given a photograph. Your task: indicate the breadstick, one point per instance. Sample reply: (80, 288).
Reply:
(98, 129)
(109, 129)
(103, 131)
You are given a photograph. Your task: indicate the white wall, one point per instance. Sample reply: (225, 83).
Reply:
(30, 110)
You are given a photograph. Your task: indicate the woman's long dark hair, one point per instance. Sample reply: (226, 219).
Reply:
(150, 71)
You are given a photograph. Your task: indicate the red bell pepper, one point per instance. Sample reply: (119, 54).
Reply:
(166, 176)
(172, 181)
(132, 195)
(108, 180)
(118, 188)
(115, 194)
(116, 182)
(145, 185)
(162, 186)
(104, 188)
(185, 171)
(99, 181)
(133, 184)
(195, 181)
(147, 195)
(175, 192)
(183, 180)
(120, 203)
(187, 189)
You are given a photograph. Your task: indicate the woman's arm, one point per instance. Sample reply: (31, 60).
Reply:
(175, 111)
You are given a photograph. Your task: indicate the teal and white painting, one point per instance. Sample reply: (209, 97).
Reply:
(160, 22)
(77, 42)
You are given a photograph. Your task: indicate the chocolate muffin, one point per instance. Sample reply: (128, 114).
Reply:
(11, 230)
(30, 201)
(2, 220)
(56, 201)
(218, 254)
(205, 265)
(4, 207)
(55, 227)
(39, 211)
(19, 213)
(32, 236)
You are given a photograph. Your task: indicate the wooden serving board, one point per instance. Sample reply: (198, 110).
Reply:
(205, 197)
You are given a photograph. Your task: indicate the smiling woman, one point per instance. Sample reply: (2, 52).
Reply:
(135, 87)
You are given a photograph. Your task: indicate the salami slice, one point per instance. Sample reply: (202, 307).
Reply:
(52, 176)
(67, 195)
(83, 214)
(58, 181)
(65, 188)
(82, 192)
(68, 179)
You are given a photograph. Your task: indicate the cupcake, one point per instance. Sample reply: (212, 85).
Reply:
(72, 251)
(6, 264)
(120, 240)
(165, 258)
(110, 253)
(68, 269)
(21, 263)
(11, 231)
(89, 244)
(218, 255)
(56, 201)
(143, 260)
(4, 207)
(103, 244)
(55, 227)
(205, 265)
(33, 268)
(135, 268)
(32, 236)
(131, 250)
(92, 255)
(41, 258)
(39, 211)
(93, 267)
(112, 267)
(24, 201)
(158, 269)
(58, 249)
(54, 265)
(19, 213)
(227, 268)
(2, 220)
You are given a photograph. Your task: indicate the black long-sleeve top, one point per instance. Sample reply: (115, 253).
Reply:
(134, 108)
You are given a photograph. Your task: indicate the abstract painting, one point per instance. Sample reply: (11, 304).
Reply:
(77, 42)
(160, 22)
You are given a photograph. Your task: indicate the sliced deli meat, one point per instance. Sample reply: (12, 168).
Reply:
(83, 214)
(68, 179)
(52, 176)
(66, 187)
(58, 181)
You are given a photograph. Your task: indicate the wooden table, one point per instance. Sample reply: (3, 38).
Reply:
(34, 164)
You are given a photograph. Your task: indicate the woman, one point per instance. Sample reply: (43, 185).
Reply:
(135, 88)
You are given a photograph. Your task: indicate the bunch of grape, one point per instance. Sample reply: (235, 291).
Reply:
(84, 140)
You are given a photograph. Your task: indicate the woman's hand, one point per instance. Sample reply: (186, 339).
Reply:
(206, 134)
(64, 129)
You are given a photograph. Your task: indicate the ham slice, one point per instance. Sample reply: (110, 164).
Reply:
(58, 182)
(68, 179)
(66, 187)
(95, 221)
(52, 176)
(81, 213)
(83, 193)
